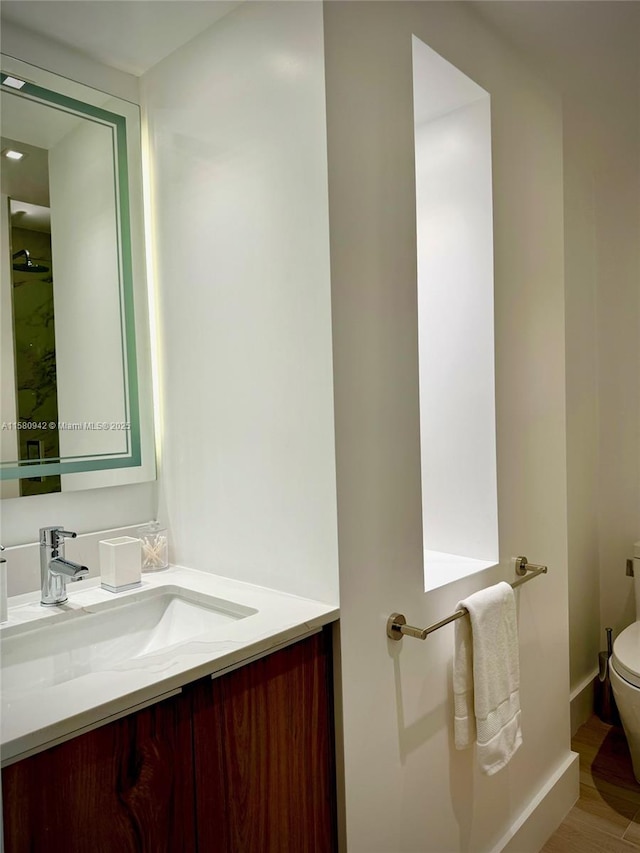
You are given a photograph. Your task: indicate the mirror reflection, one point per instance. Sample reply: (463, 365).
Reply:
(34, 339)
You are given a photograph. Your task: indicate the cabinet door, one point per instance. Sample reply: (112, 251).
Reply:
(125, 787)
(263, 753)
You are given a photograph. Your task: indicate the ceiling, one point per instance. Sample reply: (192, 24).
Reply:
(130, 35)
(581, 44)
(34, 123)
(26, 179)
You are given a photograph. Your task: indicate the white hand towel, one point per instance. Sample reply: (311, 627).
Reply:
(486, 677)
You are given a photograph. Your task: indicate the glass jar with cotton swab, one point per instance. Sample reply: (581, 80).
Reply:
(154, 546)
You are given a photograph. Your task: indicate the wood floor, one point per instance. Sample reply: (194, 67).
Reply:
(606, 818)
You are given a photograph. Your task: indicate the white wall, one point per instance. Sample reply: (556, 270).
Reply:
(236, 124)
(589, 52)
(617, 249)
(582, 401)
(602, 223)
(96, 509)
(407, 789)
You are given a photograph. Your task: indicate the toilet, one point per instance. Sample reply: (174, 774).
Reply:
(624, 670)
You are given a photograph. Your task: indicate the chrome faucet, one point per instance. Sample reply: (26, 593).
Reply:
(54, 568)
(3, 589)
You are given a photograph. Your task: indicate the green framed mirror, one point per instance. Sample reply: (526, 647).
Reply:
(76, 376)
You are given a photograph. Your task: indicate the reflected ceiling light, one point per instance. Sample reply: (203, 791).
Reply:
(12, 155)
(13, 82)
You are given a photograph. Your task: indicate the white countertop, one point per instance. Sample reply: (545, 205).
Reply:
(37, 718)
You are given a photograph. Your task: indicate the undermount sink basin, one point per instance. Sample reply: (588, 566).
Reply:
(112, 635)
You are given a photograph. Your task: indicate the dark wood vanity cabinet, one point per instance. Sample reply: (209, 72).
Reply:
(126, 786)
(243, 763)
(273, 749)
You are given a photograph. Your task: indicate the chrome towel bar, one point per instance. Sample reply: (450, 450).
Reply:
(397, 627)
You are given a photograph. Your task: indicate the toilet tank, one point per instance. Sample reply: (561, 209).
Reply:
(636, 576)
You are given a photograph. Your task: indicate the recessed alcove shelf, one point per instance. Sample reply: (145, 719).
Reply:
(454, 212)
(441, 569)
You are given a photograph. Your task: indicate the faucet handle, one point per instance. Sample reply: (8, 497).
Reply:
(51, 536)
(2, 559)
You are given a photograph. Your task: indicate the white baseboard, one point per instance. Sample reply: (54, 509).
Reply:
(545, 812)
(581, 699)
